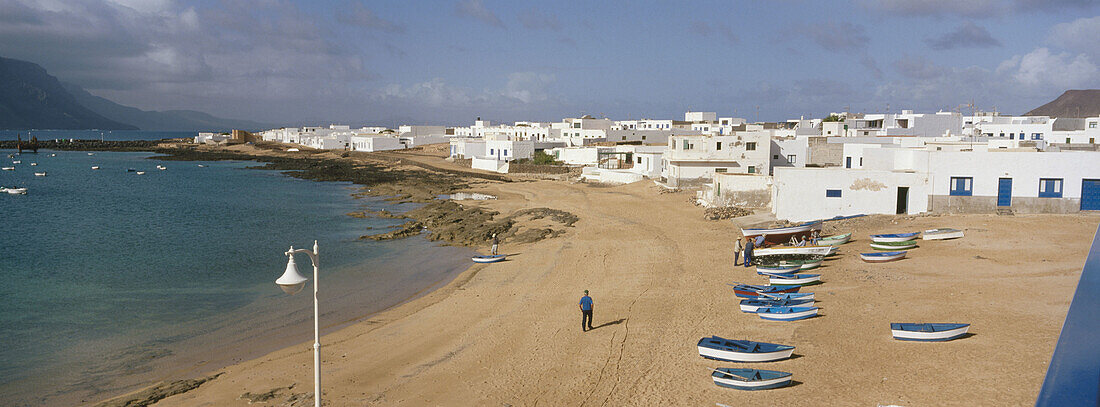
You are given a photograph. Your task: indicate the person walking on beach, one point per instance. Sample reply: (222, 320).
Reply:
(586, 312)
(496, 242)
(737, 252)
(749, 246)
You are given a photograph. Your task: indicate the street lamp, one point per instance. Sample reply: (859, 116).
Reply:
(292, 282)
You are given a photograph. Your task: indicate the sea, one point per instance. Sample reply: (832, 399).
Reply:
(114, 280)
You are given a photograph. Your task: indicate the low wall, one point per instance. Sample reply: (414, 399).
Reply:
(489, 164)
(538, 169)
(988, 204)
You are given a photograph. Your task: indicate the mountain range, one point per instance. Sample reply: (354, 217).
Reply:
(1072, 103)
(31, 98)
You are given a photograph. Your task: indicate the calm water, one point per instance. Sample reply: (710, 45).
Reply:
(113, 278)
(94, 134)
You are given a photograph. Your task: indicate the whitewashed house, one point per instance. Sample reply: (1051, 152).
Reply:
(375, 142)
(695, 159)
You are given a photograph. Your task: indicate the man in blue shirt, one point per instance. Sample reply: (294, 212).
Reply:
(750, 245)
(586, 312)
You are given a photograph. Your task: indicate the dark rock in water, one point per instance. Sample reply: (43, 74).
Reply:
(411, 228)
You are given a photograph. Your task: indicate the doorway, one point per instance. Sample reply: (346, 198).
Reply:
(903, 200)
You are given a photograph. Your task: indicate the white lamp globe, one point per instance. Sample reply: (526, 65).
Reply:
(291, 281)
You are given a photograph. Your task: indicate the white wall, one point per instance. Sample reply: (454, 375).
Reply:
(799, 194)
(489, 164)
(1025, 169)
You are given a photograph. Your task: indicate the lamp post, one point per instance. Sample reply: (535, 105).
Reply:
(292, 282)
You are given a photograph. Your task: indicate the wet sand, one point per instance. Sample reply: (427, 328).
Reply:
(508, 333)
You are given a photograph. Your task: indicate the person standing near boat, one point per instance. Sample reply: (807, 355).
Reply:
(586, 312)
(496, 242)
(749, 246)
(737, 252)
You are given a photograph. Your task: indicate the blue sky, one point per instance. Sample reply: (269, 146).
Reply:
(446, 62)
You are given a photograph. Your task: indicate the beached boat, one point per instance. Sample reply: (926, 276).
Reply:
(783, 235)
(783, 250)
(777, 268)
(40, 174)
(927, 332)
(779, 280)
(488, 258)
(752, 291)
(786, 313)
(731, 350)
(751, 305)
(882, 257)
(834, 240)
(908, 244)
(942, 234)
(785, 296)
(14, 191)
(750, 379)
(895, 237)
(95, 167)
(784, 265)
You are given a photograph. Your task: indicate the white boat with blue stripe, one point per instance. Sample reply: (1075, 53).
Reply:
(489, 258)
(750, 379)
(732, 350)
(927, 332)
(894, 237)
(786, 313)
(751, 305)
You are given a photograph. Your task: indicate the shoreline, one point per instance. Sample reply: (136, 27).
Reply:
(658, 273)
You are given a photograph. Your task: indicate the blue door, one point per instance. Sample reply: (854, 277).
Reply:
(848, 162)
(1090, 195)
(1004, 192)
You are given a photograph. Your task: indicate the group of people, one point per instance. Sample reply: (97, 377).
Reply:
(751, 244)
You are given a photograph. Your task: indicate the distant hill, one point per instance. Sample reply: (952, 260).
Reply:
(30, 98)
(169, 120)
(1073, 103)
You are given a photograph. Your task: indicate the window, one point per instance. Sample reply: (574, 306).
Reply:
(1092, 125)
(643, 137)
(847, 162)
(791, 158)
(491, 152)
(1021, 136)
(719, 146)
(719, 170)
(576, 125)
(832, 193)
(1067, 140)
(750, 146)
(624, 137)
(1050, 187)
(639, 160)
(505, 152)
(962, 186)
(752, 169)
(1036, 136)
(775, 156)
(1092, 140)
(686, 146)
(1002, 134)
(860, 161)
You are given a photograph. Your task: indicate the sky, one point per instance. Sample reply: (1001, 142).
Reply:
(447, 62)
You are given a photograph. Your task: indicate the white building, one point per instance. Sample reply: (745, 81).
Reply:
(905, 124)
(410, 130)
(466, 148)
(375, 143)
(698, 158)
(708, 117)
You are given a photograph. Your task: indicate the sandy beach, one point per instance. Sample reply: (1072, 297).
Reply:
(508, 334)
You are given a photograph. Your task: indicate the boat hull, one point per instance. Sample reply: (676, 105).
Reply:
(881, 257)
(488, 259)
(942, 234)
(900, 237)
(784, 235)
(750, 379)
(744, 357)
(898, 246)
(753, 308)
(931, 336)
(781, 269)
(795, 315)
(753, 385)
(745, 293)
(836, 240)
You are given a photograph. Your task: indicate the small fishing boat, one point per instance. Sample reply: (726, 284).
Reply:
(53, 155)
(781, 280)
(91, 153)
(751, 305)
(33, 164)
(786, 296)
(95, 167)
(783, 235)
(908, 244)
(750, 379)
(786, 313)
(17, 162)
(834, 240)
(202, 166)
(882, 257)
(777, 268)
(161, 167)
(810, 265)
(752, 291)
(139, 172)
(14, 191)
(488, 258)
(942, 234)
(40, 174)
(782, 250)
(7, 168)
(895, 237)
(927, 332)
(731, 350)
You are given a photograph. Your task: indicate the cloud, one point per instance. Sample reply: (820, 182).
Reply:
(834, 36)
(1078, 35)
(918, 68)
(968, 35)
(475, 10)
(868, 62)
(970, 8)
(528, 87)
(1043, 70)
(357, 14)
(719, 30)
(535, 19)
(522, 87)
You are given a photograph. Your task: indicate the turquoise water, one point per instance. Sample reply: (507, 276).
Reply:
(94, 134)
(112, 278)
